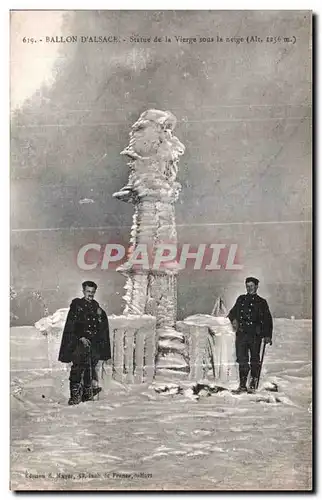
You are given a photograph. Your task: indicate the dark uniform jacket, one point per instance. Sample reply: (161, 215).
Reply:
(253, 315)
(83, 321)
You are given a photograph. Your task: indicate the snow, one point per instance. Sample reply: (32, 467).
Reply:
(216, 441)
(55, 321)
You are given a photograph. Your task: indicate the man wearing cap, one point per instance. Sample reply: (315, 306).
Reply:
(85, 341)
(252, 322)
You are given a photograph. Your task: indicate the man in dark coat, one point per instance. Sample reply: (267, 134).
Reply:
(85, 341)
(252, 322)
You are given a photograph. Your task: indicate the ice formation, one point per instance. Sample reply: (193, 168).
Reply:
(134, 347)
(211, 348)
(152, 188)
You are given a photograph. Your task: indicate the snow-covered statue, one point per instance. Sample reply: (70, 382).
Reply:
(154, 153)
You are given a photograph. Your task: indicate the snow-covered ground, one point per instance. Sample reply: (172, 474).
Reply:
(135, 438)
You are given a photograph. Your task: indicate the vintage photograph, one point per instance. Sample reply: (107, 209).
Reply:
(161, 250)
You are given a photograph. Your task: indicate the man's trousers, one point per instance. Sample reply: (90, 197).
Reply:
(248, 346)
(83, 368)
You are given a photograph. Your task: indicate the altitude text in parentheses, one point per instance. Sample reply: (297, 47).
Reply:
(254, 38)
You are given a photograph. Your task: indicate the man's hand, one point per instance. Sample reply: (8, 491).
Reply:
(86, 343)
(268, 340)
(234, 324)
(99, 314)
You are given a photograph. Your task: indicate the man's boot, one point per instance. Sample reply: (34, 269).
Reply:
(254, 370)
(240, 390)
(87, 394)
(253, 385)
(75, 393)
(96, 390)
(90, 392)
(243, 374)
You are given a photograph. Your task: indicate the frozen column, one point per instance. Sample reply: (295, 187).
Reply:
(152, 188)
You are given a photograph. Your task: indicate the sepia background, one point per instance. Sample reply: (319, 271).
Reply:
(244, 115)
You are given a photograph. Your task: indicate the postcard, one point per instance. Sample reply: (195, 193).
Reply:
(161, 248)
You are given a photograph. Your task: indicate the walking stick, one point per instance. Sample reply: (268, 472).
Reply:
(91, 373)
(90, 369)
(261, 364)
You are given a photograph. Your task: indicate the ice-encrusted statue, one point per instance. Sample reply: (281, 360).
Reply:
(154, 153)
